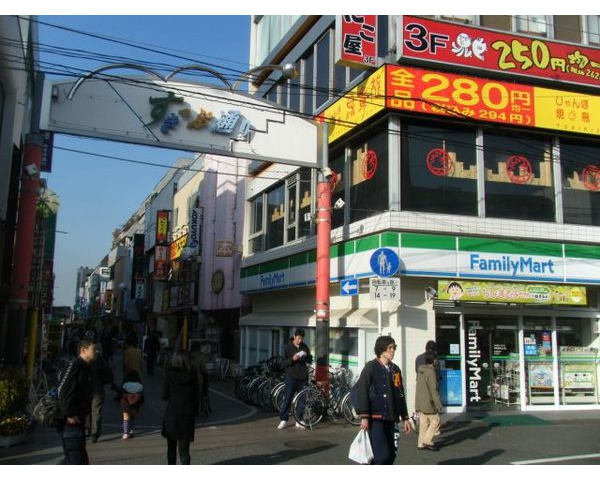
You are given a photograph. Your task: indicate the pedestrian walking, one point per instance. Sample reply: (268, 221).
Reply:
(295, 359)
(132, 356)
(74, 399)
(151, 349)
(430, 349)
(106, 340)
(427, 403)
(102, 375)
(180, 390)
(199, 366)
(131, 398)
(381, 402)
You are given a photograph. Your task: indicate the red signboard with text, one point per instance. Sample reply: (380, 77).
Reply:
(462, 45)
(356, 40)
(162, 227)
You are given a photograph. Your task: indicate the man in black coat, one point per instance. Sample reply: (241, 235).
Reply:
(296, 356)
(102, 375)
(151, 349)
(381, 401)
(74, 397)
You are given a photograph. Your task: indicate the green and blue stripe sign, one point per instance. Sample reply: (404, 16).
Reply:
(429, 255)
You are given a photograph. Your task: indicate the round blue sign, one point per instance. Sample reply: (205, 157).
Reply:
(385, 262)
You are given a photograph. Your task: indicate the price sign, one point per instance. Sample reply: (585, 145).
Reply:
(384, 288)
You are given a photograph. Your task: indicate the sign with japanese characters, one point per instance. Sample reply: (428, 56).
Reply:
(384, 288)
(461, 45)
(161, 262)
(542, 294)
(356, 40)
(162, 227)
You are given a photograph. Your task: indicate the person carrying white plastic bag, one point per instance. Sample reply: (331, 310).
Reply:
(360, 450)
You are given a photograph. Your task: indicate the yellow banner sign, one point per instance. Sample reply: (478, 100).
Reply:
(537, 293)
(177, 247)
(359, 104)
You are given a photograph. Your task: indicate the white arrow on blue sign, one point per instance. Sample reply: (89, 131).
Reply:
(384, 262)
(349, 287)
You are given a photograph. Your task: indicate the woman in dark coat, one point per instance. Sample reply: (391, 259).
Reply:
(180, 390)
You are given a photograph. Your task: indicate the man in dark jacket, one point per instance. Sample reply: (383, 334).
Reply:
(381, 401)
(151, 349)
(101, 375)
(74, 397)
(296, 356)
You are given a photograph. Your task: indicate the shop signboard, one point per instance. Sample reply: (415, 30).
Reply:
(531, 293)
(456, 45)
(160, 262)
(177, 247)
(162, 227)
(356, 40)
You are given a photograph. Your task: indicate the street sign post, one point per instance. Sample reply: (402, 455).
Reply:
(349, 287)
(384, 288)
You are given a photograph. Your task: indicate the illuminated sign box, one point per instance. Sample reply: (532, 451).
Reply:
(503, 52)
(541, 294)
(463, 97)
(356, 40)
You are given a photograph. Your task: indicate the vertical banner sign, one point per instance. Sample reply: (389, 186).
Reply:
(162, 227)
(192, 247)
(161, 253)
(356, 40)
(137, 270)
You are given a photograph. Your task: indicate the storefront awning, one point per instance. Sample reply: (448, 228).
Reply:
(360, 317)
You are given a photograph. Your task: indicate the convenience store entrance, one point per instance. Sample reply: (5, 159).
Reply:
(491, 363)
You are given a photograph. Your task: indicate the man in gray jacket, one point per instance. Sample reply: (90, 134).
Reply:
(427, 403)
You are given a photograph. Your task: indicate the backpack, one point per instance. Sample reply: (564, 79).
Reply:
(47, 409)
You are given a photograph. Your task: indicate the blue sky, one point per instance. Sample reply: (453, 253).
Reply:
(97, 194)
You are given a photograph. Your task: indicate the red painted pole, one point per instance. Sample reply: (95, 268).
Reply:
(323, 220)
(23, 251)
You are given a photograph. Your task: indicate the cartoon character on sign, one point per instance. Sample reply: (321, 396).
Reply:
(465, 47)
(454, 291)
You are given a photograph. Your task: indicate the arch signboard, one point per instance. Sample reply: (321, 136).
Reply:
(181, 116)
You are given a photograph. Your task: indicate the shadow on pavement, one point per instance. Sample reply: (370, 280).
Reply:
(298, 449)
(476, 460)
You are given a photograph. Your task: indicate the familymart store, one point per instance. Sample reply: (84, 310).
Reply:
(516, 322)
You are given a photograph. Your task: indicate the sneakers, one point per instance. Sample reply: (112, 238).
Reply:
(126, 436)
(282, 425)
(300, 426)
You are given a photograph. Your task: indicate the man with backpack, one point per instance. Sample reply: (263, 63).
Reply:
(380, 401)
(74, 397)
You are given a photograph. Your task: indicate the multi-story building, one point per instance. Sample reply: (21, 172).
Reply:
(468, 147)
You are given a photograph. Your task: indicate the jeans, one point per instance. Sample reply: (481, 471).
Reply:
(381, 434)
(291, 387)
(73, 441)
(184, 451)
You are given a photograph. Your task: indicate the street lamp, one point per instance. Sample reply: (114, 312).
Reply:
(288, 70)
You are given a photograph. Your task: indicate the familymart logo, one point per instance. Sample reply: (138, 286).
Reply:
(513, 265)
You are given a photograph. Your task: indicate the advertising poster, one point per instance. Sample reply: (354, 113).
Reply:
(578, 376)
(540, 375)
(451, 387)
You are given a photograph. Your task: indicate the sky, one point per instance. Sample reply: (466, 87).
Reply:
(98, 195)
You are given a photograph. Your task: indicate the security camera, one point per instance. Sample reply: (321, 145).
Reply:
(339, 204)
(31, 169)
(430, 293)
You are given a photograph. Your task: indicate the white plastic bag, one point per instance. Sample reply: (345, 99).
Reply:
(360, 450)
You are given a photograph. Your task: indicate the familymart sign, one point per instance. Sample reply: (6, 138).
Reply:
(441, 256)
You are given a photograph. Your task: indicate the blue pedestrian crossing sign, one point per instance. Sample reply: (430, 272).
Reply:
(349, 287)
(385, 262)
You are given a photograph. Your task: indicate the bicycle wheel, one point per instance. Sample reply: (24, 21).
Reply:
(264, 395)
(278, 397)
(253, 389)
(243, 387)
(309, 407)
(348, 411)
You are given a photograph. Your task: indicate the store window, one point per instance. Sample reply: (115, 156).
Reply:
(539, 367)
(439, 169)
(337, 164)
(580, 166)
(468, 19)
(256, 225)
(518, 177)
(533, 24)
(308, 86)
(275, 217)
(323, 62)
(593, 29)
(305, 202)
(447, 337)
(576, 362)
(292, 208)
(369, 175)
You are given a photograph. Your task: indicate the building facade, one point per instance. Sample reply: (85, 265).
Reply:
(467, 146)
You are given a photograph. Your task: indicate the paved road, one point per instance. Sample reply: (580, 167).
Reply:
(239, 434)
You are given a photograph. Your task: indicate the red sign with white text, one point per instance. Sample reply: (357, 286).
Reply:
(442, 93)
(357, 40)
(462, 45)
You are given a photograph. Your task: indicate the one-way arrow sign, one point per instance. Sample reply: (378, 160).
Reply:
(349, 287)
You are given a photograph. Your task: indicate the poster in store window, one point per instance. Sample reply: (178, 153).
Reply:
(578, 376)
(540, 375)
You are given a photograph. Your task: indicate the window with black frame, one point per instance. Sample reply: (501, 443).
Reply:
(580, 165)
(369, 175)
(275, 217)
(292, 207)
(336, 163)
(322, 80)
(518, 177)
(439, 169)
(255, 239)
(304, 202)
